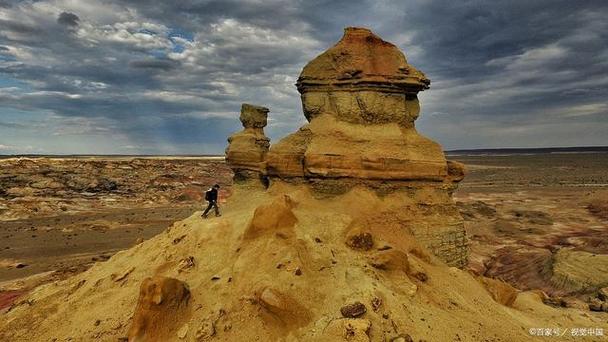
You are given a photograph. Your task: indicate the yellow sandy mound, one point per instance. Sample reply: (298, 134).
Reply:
(277, 267)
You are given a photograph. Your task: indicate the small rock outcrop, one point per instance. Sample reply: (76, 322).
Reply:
(353, 310)
(283, 308)
(275, 218)
(162, 303)
(349, 329)
(573, 270)
(247, 149)
(502, 292)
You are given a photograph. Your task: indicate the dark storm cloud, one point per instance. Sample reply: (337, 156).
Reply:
(273, 14)
(516, 73)
(68, 19)
(153, 64)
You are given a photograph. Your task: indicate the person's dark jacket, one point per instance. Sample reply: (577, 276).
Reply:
(212, 197)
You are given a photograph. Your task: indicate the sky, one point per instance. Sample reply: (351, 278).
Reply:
(168, 77)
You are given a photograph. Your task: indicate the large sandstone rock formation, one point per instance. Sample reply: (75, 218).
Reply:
(360, 98)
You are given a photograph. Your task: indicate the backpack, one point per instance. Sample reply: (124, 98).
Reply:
(208, 195)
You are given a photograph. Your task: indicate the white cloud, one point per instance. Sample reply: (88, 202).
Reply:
(584, 110)
(144, 35)
(531, 59)
(230, 35)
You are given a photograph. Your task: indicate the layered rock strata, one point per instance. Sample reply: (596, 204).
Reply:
(360, 98)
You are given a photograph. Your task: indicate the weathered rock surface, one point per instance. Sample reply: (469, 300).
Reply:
(360, 98)
(579, 270)
(247, 287)
(502, 292)
(247, 149)
(390, 260)
(162, 304)
(284, 308)
(274, 219)
(348, 329)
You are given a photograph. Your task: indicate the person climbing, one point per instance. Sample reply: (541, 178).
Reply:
(211, 198)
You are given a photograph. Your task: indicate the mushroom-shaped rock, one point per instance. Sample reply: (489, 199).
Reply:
(360, 97)
(247, 149)
(361, 70)
(254, 116)
(162, 304)
(362, 56)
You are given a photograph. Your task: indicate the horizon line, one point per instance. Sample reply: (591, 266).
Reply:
(599, 148)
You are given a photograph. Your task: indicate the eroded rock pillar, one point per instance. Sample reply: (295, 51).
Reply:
(247, 149)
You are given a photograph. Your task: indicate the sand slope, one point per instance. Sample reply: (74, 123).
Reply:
(284, 275)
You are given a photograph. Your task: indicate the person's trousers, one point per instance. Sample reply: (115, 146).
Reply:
(212, 204)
